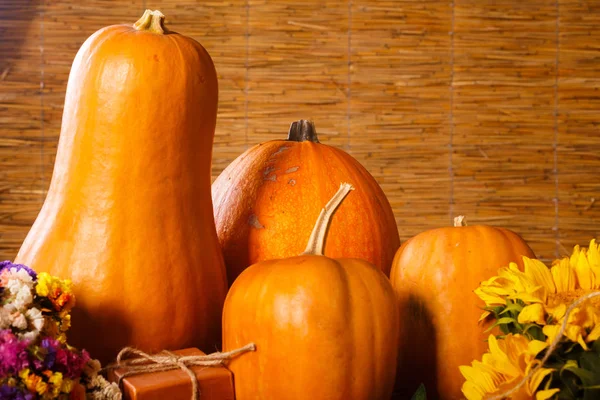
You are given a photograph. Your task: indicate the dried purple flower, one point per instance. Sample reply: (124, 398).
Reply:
(13, 353)
(8, 265)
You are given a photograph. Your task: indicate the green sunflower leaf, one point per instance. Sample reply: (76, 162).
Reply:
(583, 374)
(502, 321)
(516, 307)
(596, 346)
(420, 394)
(590, 361)
(534, 331)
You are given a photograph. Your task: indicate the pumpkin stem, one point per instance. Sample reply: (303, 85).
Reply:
(460, 221)
(316, 242)
(302, 131)
(152, 21)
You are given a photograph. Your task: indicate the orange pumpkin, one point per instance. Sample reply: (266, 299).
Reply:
(324, 328)
(128, 216)
(434, 275)
(266, 200)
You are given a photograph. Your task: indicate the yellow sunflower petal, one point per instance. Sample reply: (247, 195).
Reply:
(516, 351)
(593, 256)
(500, 287)
(537, 378)
(594, 334)
(480, 376)
(582, 343)
(585, 276)
(551, 331)
(497, 359)
(546, 394)
(575, 256)
(532, 313)
(489, 299)
(575, 334)
(484, 316)
(564, 276)
(557, 312)
(514, 277)
(536, 295)
(472, 391)
(594, 253)
(539, 273)
(535, 346)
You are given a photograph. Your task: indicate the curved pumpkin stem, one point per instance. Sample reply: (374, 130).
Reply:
(303, 131)
(460, 221)
(316, 242)
(152, 21)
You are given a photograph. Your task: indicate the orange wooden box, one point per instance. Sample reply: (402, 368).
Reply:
(214, 383)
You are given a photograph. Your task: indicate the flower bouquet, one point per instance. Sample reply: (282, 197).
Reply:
(550, 320)
(35, 360)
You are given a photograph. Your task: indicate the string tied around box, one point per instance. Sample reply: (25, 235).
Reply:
(135, 362)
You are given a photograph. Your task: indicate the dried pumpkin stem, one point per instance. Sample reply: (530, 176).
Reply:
(303, 131)
(152, 21)
(316, 242)
(460, 221)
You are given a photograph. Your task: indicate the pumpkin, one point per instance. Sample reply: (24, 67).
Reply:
(128, 215)
(324, 328)
(265, 203)
(434, 275)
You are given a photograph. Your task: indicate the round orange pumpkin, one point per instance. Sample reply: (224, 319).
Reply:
(128, 216)
(324, 328)
(266, 200)
(434, 275)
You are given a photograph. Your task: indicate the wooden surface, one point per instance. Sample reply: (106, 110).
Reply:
(484, 108)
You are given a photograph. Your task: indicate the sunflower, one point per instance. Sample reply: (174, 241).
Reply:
(503, 367)
(534, 301)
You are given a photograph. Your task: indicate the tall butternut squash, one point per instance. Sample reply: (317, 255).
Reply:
(128, 216)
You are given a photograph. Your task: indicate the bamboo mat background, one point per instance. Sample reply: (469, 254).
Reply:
(484, 108)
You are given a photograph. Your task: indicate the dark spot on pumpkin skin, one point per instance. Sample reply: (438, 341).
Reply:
(280, 150)
(268, 170)
(292, 182)
(254, 222)
(155, 57)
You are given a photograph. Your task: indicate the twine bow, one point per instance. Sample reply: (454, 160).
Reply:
(167, 361)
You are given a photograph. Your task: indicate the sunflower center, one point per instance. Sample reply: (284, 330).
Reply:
(569, 297)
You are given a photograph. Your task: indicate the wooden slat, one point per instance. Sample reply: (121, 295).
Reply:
(503, 115)
(483, 108)
(579, 122)
(21, 183)
(297, 69)
(400, 109)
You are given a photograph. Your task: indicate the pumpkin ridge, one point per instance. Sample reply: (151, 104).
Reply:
(341, 156)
